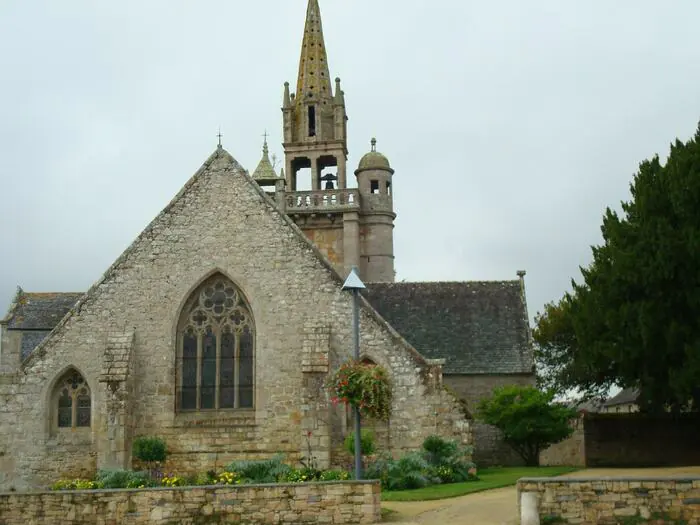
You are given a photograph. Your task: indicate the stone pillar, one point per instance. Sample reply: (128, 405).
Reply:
(316, 412)
(280, 194)
(342, 172)
(116, 377)
(315, 175)
(291, 186)
(351, 242)
(529, 513)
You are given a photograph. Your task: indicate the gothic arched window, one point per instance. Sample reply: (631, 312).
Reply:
(72, 401)
(216, 340)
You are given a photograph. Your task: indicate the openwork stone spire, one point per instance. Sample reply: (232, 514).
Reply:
(265, 170)
(314, 82)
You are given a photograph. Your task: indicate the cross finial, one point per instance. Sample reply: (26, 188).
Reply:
(219, 135)
(265, 149)
(374, 144)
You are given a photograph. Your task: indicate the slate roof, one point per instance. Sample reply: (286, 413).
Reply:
(30, 340)
(477, 327)
(624, 397)
(39, 311)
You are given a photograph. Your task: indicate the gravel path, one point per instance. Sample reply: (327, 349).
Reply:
(498, 506)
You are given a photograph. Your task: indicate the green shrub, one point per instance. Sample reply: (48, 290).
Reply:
(123, 479)
(412, 471)
(409, 472)
(150, 449)
(449, 461)
(366, 442)
(379, 468)
(334, 475)
(261, 471)
(202, 479)
(530, 419)
(438, 449)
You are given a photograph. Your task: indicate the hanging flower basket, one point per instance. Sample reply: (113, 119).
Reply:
(362, 385)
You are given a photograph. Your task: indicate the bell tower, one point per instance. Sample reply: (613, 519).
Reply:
(315, 121)
(315, 140)
(350, 226)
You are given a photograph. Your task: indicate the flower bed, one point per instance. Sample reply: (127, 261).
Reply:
(439, 462)
(237, 473)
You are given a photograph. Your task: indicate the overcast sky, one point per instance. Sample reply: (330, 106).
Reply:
(511, 124)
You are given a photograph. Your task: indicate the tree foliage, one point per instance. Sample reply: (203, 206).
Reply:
(529, 419)
(634, 321)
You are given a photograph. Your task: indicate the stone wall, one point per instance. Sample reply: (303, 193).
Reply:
(570, 452)
(331, 502)
(220, 223)
(637, 440)
(611, 500)
(628, 440)
(489, 448)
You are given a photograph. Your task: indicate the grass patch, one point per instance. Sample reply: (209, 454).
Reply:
(489, 478)
(389, 515)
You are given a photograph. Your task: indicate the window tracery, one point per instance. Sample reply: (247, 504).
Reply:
(73, 403)
(216, 349)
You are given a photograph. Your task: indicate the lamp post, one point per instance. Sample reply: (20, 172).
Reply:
(355, 284)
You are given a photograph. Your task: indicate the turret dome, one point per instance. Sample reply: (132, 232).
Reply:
(374, 160)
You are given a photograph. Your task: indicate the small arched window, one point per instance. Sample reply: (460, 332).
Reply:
(216, 341)
(72, 401)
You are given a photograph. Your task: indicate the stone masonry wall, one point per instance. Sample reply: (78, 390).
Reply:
(221, 222)
(632, 440)
(612, 500)
(489, 448)
(328, 503)
(570, 452)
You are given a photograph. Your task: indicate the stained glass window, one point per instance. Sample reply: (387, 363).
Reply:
(73, 404)
(65, 409)
(216, 340)
(83, 411)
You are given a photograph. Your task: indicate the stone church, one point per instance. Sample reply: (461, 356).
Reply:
(218, 327)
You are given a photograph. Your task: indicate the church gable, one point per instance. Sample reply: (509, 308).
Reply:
(221, 314)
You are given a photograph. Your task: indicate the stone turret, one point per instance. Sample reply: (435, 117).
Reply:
(374, 177)
(266, 176)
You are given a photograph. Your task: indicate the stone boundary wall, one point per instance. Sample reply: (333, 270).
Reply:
(285, 504)
(632, 440)
(610, 500)
(571, 452)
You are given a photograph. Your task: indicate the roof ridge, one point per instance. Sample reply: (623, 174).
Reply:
(53, 293)
(219, 153)
(484, 281)
(13, 305)
(272, 206)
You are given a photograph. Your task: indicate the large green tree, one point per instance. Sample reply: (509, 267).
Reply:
(634, 320)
